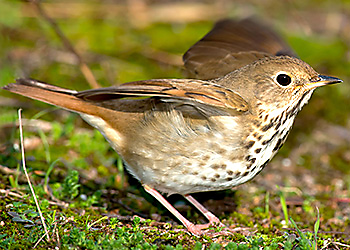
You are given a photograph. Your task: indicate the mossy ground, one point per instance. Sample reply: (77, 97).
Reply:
(87, 199)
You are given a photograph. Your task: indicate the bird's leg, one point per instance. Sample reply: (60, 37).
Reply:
(213, 220)
(189, 225)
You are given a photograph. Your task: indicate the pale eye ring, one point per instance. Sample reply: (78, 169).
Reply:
(283, 79)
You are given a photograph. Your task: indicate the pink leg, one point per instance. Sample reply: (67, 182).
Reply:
(190, 226)
(210, 216)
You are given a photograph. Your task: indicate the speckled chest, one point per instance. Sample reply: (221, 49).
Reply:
(269, 133)
(268, 136)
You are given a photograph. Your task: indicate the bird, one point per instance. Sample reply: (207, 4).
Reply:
(212, 131)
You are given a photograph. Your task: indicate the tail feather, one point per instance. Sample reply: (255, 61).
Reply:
(51, 94)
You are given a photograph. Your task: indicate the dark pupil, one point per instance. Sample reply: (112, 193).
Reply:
(284, 79)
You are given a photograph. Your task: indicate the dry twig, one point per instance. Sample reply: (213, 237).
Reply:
(27, 176)
(83, 66)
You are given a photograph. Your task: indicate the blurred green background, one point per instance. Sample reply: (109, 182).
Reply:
(124, 41)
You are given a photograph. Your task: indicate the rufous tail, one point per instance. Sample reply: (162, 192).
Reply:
(51, 94)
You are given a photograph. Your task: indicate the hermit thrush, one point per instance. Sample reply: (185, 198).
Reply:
(185, 135)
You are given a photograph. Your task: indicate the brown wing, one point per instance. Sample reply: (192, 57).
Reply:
(183, 91)
(195, 93)
(231, 45)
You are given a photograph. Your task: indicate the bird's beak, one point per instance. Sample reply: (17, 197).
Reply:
(322, 81)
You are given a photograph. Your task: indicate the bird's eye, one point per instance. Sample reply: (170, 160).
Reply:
(283, 79)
